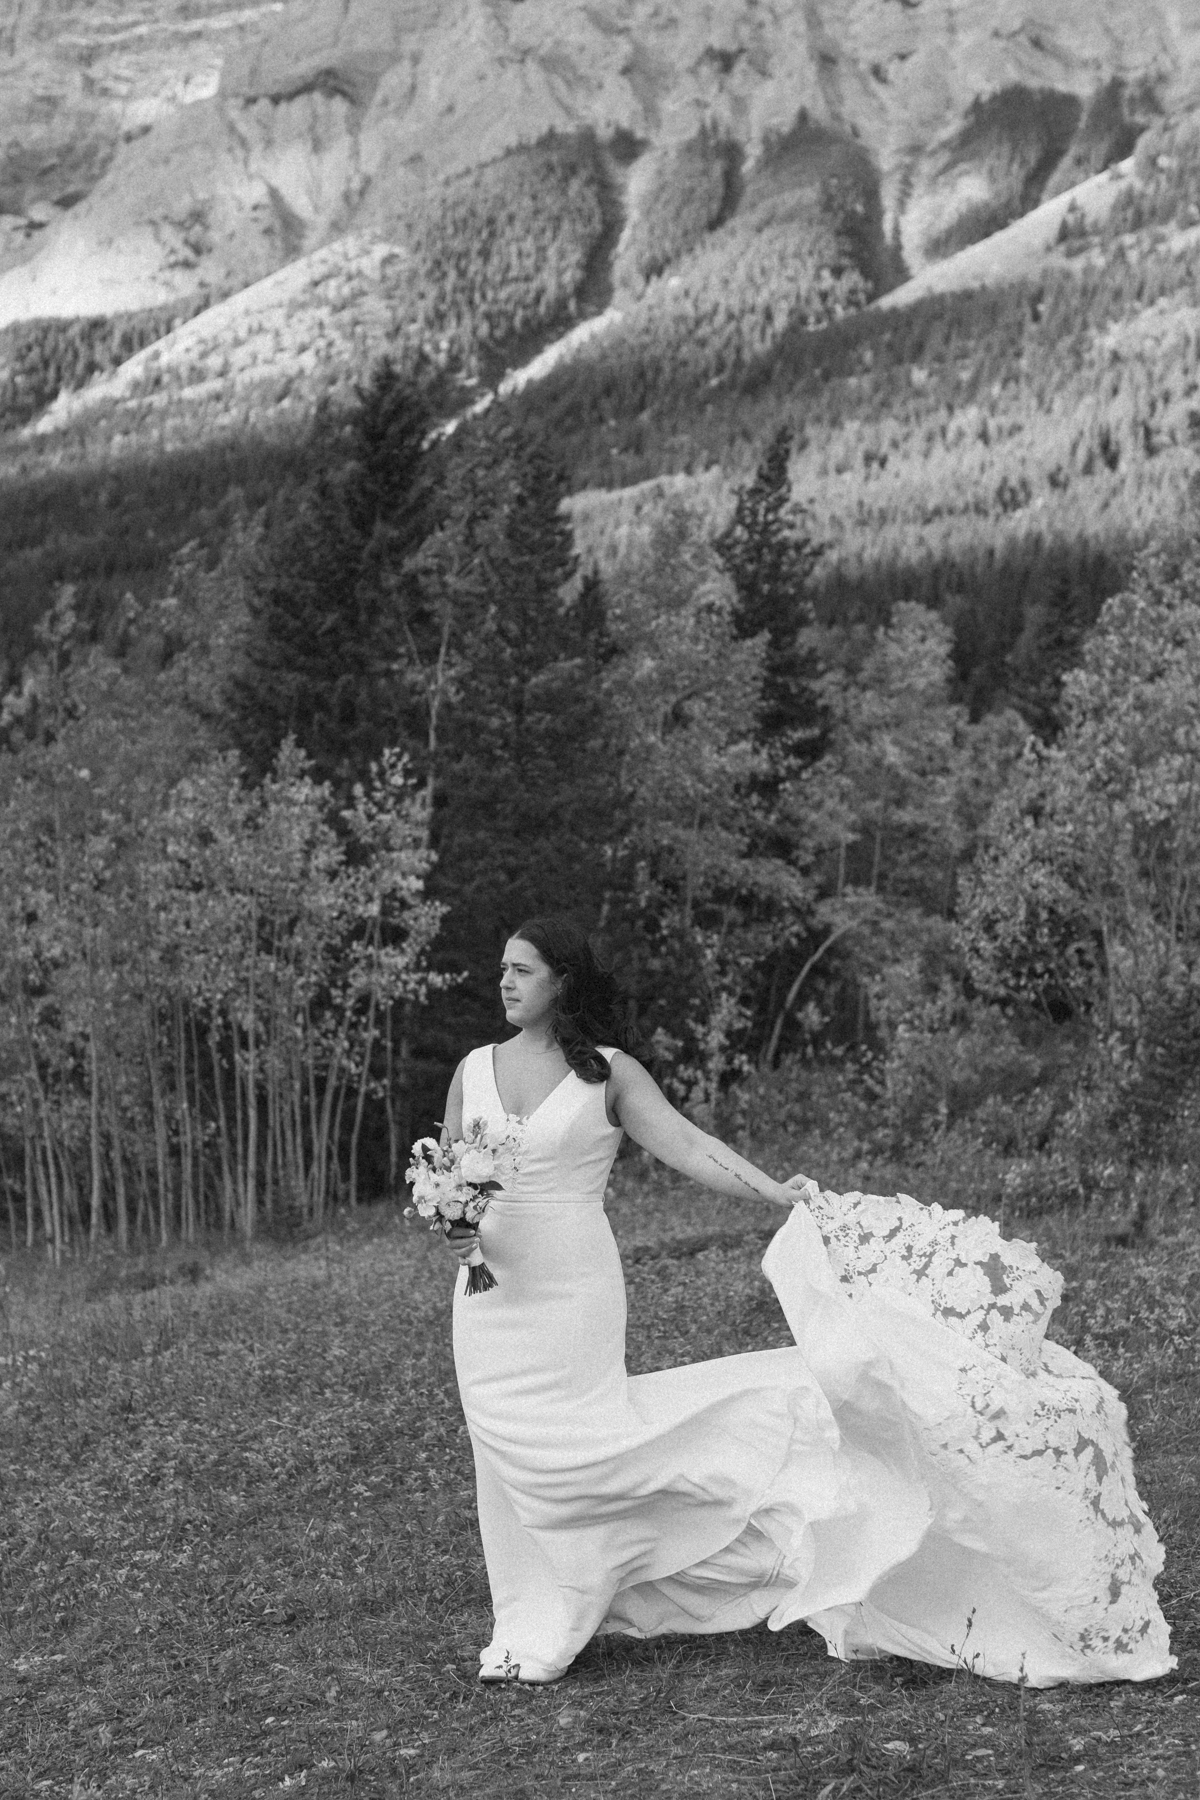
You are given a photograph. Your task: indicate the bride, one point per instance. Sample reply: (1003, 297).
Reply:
(920, 1475)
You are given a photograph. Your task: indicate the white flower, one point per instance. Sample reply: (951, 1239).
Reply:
(477, 1166)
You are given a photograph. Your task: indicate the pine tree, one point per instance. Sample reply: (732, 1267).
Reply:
(770, 554)
(389, 448)
(524, 801)
(330, 594)
(1051, 642)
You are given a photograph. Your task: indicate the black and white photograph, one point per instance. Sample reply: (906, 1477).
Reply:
(600, 899)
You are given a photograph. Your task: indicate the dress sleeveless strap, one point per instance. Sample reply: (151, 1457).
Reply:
(479, 1099)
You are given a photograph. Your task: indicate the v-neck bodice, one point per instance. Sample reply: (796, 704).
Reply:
(544, 1101)
(569, 1144)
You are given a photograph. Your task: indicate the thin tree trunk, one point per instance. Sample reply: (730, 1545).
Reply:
(54, 1220)
(70, 1188)
(30, 1179)
(158, 1115)
(360, 1098)
(239, 1125)
(768, 1056)
(97, 1165)
(271, 1175)
(317, 1121)
(250, 1218)
(39, 1107)
(145, 1212)
(11, 1205)
(330, 1105)
(334, 1178)
(117, 1157)
(335, 1082)
(389, 1100)
(296, 1128)
(187, 1197)
(227, 1180)
(198, 1122)
(46, 1193)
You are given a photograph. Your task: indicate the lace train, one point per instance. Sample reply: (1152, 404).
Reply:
(1024, 1449)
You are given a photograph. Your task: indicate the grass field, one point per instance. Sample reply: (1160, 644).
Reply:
(238, 1555)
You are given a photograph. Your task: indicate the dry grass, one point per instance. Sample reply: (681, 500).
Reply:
(237, 1551)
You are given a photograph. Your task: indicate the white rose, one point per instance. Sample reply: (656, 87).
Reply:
(477, 1166)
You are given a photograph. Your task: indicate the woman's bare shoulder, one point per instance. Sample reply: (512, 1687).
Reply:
(459, 1076)
(626, 1073)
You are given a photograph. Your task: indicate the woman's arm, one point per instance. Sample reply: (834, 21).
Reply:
(452, 1128)
(463, 1243)
(648, 1117)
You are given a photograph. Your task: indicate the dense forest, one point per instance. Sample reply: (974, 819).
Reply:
(265, 836)
(973, 451)
(42, 358)
(835, 664)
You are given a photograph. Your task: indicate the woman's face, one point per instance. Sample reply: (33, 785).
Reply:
(527, 984)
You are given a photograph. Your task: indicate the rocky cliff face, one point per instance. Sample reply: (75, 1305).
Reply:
(76, 87)
(275, 129)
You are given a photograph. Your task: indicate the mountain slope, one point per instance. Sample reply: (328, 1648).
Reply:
(660, 306)
(790, 259)
(343, 115)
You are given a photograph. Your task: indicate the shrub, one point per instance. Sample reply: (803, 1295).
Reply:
(949, 1061)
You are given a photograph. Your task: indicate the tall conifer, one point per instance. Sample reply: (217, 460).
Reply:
(770, 553)
(326, 646)
(524, 808)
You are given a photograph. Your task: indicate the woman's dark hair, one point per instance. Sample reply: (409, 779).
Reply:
(590, 1009)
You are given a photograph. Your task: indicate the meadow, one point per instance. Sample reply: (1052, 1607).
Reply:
(238, 1554)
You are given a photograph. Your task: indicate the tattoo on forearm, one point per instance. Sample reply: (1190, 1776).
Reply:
(735, 1174)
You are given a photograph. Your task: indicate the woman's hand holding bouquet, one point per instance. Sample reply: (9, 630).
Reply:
(452, 1184)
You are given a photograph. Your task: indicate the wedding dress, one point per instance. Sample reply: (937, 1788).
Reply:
(920, 1475)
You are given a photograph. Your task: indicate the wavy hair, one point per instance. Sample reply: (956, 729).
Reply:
(590, 1009)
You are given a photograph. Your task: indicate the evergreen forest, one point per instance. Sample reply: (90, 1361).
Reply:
(836, 664)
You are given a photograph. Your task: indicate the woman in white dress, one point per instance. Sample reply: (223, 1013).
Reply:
(920, 1475)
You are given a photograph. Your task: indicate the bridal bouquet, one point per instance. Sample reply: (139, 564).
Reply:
(453, 1183)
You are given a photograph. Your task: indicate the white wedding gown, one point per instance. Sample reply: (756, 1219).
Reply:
(919, 1476)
